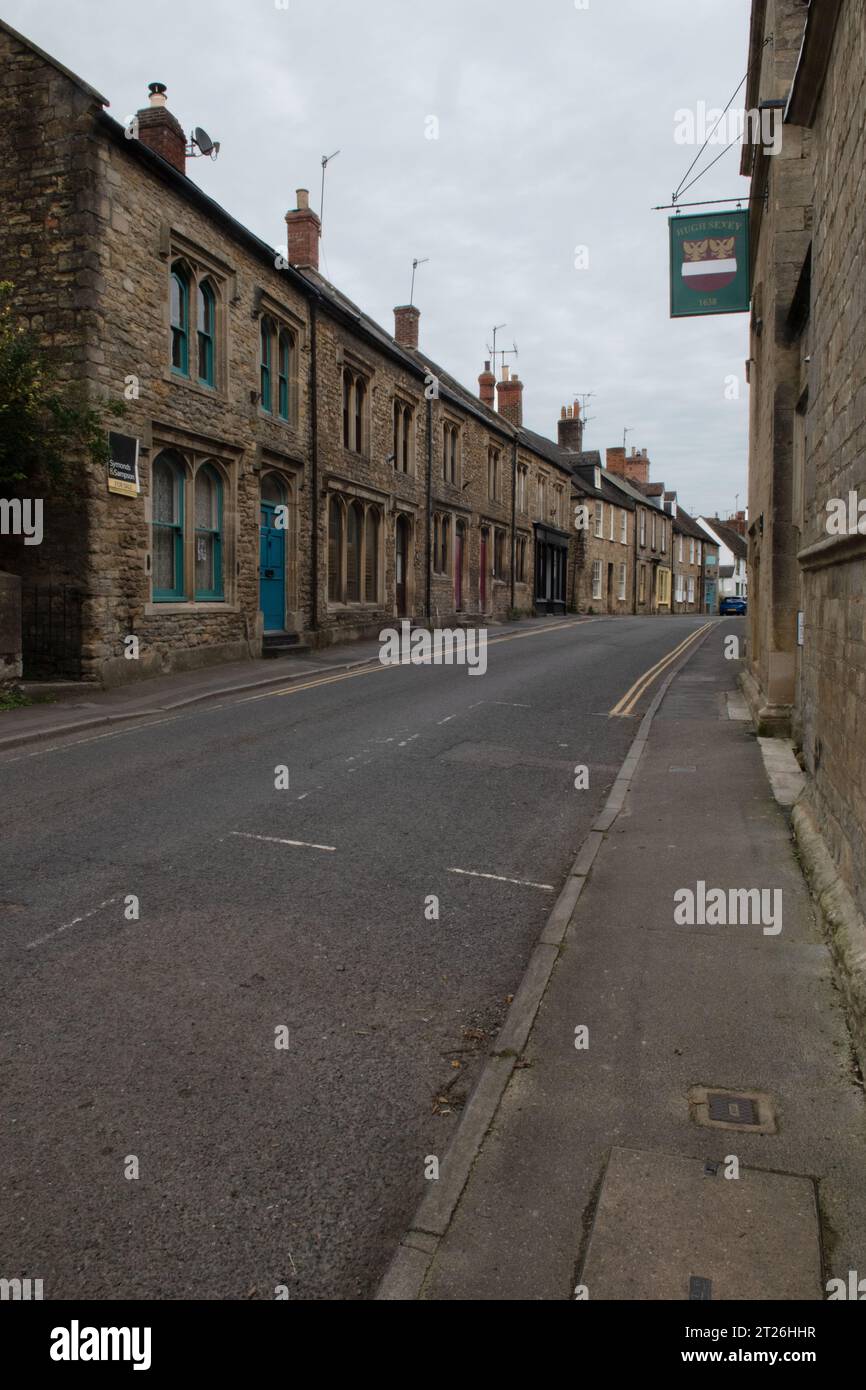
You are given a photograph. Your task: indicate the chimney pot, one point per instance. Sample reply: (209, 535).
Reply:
(304, 229)
(487, 387)
(160, 130)
(510, 391)
(406, 318)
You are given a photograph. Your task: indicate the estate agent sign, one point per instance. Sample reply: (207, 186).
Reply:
(123, 464)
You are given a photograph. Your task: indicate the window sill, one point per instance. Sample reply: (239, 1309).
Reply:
(353, 606)
(209, 393)
(185, 605)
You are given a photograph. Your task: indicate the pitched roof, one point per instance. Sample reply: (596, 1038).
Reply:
(729, 537)
(689, 527)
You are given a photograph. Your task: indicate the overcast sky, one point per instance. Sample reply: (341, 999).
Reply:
(555, 131)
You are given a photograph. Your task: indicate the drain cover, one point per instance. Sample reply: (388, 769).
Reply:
(736, 1110)
(700, 1289)
(717, 1108)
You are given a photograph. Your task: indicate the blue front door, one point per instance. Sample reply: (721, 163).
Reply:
(272, 570)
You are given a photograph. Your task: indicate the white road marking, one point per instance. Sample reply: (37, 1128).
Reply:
(404, 741)
(97, 738)
(74, 923)
(523, 882)
(448, 720)
(509, 704)
(273, 840)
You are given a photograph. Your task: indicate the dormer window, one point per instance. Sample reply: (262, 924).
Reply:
(598, 479)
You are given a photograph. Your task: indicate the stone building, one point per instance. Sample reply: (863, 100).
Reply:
(807, 464)
(690, 559)
(298, 474)
(603, 552)
(652, 585)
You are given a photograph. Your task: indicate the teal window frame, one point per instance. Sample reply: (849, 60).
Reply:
(206, 337)
(284, 359)
(178, 593)
(266, 334)
(217, 593)
(180, 325)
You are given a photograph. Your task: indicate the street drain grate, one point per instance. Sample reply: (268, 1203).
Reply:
(736, 1110)
(746, 1111)
(700, 1289)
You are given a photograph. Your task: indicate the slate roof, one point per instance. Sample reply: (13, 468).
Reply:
(729, 537)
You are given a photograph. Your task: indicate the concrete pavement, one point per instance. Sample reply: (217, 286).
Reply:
(599, 1175)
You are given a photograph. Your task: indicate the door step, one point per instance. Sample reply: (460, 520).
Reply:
(283, 644)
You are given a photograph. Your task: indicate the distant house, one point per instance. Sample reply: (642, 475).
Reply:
(733, 552)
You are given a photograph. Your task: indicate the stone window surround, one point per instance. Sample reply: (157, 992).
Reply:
(360, 370)
(522, 539)
(440, 518)
(522, 489)
(370, 499)
(199, 265)
(404, 430)
(194, 457)
(453, 423)
(284, 320)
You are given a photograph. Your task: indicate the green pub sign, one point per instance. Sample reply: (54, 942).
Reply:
(709, 264)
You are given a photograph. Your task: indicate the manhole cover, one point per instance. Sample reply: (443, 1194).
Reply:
(747, 1111)
(736, 1110)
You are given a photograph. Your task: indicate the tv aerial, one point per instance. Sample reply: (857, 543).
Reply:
(201, 144)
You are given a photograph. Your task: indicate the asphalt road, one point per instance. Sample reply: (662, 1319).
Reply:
(150, 1043)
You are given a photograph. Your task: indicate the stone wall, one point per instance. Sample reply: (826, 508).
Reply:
(832, 691)
(781, 232)
(10, 627)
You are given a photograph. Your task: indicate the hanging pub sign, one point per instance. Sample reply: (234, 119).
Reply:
(123, 464)
(709, 264)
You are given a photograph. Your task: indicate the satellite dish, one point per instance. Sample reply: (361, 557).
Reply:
(203, 140)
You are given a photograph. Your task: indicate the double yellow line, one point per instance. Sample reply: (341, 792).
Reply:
(626, 705)
(376, 666)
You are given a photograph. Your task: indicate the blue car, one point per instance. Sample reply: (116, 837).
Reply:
(733, 605)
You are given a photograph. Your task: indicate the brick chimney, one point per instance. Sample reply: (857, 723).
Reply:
(406, 318)
(510, 391)
(487, 387)
(737, 523)
(160, 130)
(634, 467)
(570, 428)
(304, 230)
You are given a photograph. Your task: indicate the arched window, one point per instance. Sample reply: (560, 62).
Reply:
(371, 556)
(179, 320)
(208, 534)
(167, 528)
(206, 334)
(335, 549)
(347, 408)
(285, 353)
(445, 539)
(265, 336)
(354, 533)
(360, 393)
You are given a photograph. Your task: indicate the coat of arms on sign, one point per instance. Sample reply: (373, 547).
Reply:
(709, 264)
